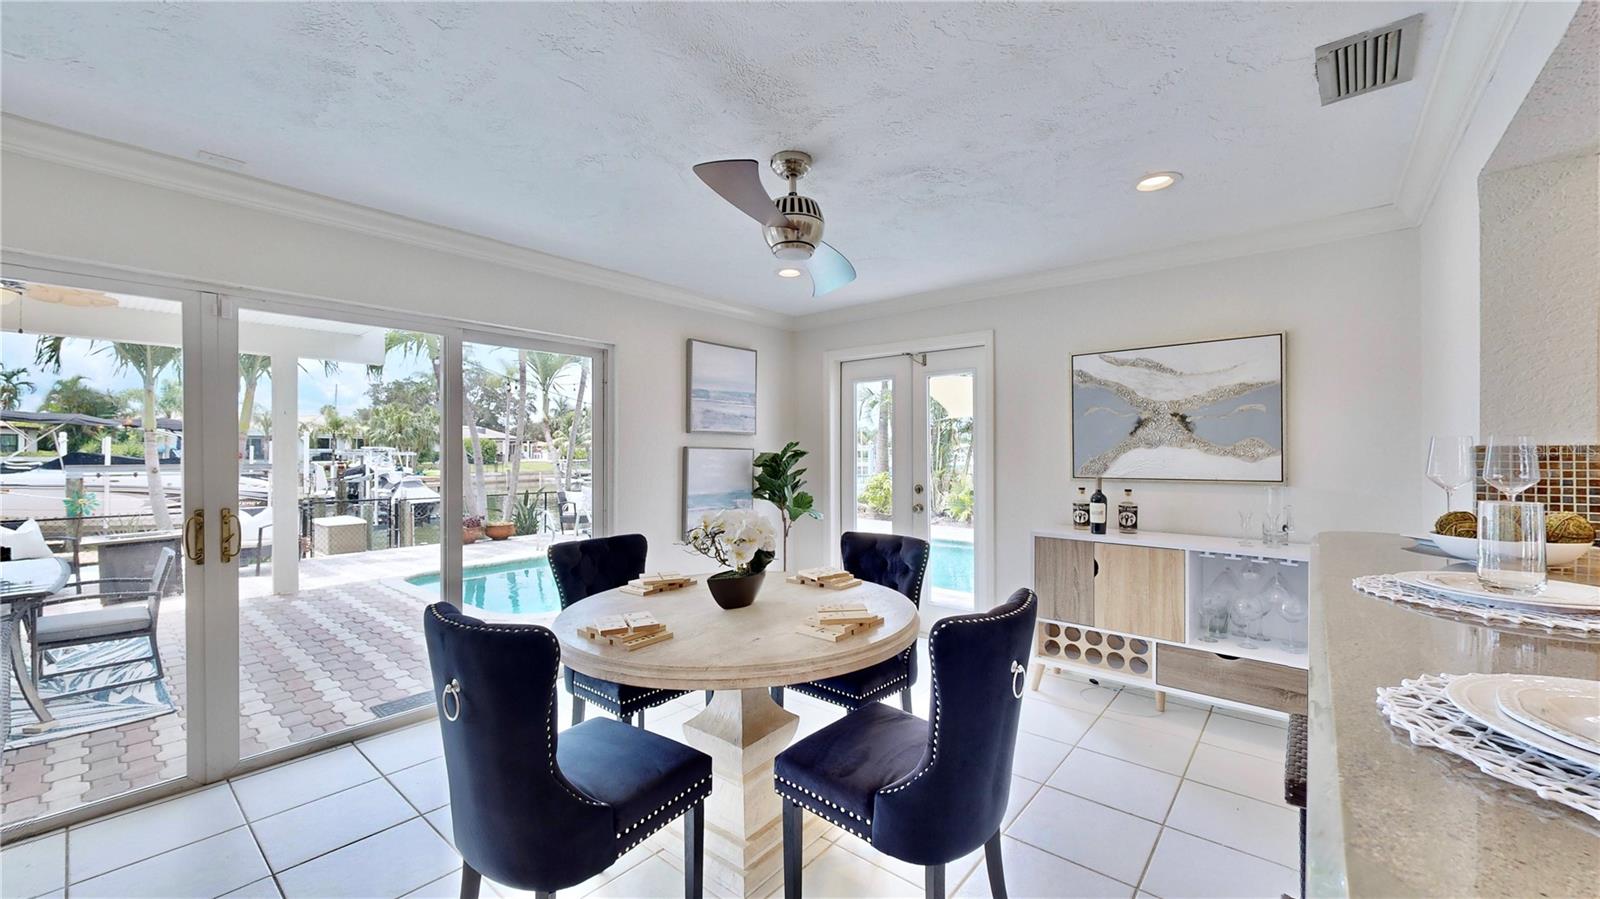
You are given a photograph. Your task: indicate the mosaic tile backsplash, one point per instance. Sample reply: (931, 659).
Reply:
(1569, 480)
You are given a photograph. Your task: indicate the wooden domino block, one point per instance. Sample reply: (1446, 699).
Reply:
(631, 590)
(828, 634)
(611, 625)
(848, 605)
(862, 617)
(640, 641)
(842, 585)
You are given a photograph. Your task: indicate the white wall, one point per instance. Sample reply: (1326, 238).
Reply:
(71, 213)
(1349, 308)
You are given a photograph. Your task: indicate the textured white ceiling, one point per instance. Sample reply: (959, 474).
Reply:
(953, 143)
(1561, 114)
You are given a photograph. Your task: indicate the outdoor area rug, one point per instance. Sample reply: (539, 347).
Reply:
(114, 701)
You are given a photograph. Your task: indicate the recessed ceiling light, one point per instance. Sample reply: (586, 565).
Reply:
(788, 273)
(1157, 181)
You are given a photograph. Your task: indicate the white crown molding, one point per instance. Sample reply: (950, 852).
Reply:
(1467, 63)
(37, 140)
(1376, 220)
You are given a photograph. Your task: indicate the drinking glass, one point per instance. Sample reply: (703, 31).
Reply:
(1245, 536)
(1249, 609)
(1272, 521)
(1511, 464)
(1252, 578)
(1214, 604)
(1450, 464)
(1511, 547)
(1291, 607)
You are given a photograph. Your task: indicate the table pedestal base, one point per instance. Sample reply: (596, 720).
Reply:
(742, 731)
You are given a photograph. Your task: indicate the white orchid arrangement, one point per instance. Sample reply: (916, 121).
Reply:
(739, 539)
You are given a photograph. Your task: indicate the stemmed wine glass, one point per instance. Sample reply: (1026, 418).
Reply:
(1214, 603)
(1511, 464)
(1249, 609)
(1291, 607)
(1450, 464)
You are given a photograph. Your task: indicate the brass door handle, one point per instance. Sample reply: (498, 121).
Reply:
(194, 537)
(232, 536)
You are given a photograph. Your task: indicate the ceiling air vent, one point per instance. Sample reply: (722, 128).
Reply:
(1367, 61)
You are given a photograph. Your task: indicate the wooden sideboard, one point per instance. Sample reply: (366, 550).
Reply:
(1126, 608)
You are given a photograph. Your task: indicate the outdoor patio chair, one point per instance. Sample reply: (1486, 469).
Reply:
(129, 608)
(536, 809)
(924, 792)
(582, 568)
(890, 561)
(255, 534)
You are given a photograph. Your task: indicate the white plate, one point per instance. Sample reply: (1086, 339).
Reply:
(1564, 596)
(1556, 555)
(1475, 695)
(1565, 708)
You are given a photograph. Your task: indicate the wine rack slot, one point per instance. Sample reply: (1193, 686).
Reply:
(1094, 648)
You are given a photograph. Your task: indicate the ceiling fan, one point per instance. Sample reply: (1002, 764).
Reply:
(791, 223)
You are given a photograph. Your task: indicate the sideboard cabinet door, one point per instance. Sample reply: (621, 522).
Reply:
(1063, 576)
(1139, 590)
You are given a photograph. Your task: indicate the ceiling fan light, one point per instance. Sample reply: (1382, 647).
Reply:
(789, 272)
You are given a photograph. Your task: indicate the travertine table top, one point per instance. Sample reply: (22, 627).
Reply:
(717, 649)
(1391, 819)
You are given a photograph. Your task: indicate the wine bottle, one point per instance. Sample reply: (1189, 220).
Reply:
(1080, 512)
(1128, 513)
(1097, 510)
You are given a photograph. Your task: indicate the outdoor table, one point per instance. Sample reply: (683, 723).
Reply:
(24, 584)
(739, 653)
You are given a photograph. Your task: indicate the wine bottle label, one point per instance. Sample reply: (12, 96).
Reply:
(1080, 515)
(1097, 513)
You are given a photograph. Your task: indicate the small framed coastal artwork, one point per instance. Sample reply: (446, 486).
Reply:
(1205, 411)
(722, 389)
(716, 478)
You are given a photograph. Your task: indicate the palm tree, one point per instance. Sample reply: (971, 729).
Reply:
(575, 429)
(545, 369)
(416, 343)
(251, 367)
(881, 402)
(519, 436)
(14, 384)
(148, 362)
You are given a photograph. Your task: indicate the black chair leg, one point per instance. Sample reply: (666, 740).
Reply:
(777, 695)
(905, 699)
(694, 851)
(640, 719)
(997, 874)
(470, 882)
(793, 848)
(577, 711)
(708, 697)
(933, 882)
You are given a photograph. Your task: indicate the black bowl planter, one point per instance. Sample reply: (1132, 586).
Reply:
(735, 591)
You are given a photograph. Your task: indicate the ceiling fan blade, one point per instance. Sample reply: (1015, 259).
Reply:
(829, 270)
(739, 182)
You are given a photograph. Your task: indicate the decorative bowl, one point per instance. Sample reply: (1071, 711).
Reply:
(1556, 555)
(735, 591)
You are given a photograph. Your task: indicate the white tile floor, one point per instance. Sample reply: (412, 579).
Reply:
(1108, 797)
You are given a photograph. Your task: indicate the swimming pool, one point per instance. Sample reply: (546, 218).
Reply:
(523, 587)
(526, 587)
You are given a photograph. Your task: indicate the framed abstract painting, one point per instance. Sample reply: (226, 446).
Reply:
(722, 389)
(1205, 411)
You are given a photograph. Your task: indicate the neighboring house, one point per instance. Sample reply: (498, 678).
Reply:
(169, 434)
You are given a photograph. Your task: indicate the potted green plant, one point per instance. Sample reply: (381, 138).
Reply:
(741, 541)
(779, 481)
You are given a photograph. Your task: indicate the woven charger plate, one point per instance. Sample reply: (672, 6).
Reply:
(1385, 587)
(1420, 708)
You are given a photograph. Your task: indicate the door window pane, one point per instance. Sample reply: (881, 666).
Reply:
(528, 437)
(333, 580)
(91, 384)
(874, 456)
(950, 488)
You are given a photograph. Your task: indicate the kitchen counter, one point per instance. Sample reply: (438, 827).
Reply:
(1387, 818)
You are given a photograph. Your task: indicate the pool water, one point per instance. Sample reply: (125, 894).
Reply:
(526, 587)
(523, 587)
(950, 565)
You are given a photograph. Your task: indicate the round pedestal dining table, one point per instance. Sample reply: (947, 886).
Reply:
(739, 654)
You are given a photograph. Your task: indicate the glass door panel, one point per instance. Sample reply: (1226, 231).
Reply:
(947, 410)
(339, 522)
(94, 485)
(529, 444)
(875, 406)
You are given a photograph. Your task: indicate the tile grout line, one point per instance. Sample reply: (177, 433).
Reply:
(69, 882)
(271, 875)
(1143, 872)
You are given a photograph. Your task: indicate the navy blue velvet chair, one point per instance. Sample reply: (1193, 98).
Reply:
(532, 811)
(923, 792)
(890, 561)
(582, 568)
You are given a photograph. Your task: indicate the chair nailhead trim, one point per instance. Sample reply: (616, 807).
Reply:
(836, 817)
(604, 701)
(793, 785)
(550, 710)
(933, 756)
(875, 694)
(695, 793)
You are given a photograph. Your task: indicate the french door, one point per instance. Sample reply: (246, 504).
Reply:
(913, 447)
(315, 467)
